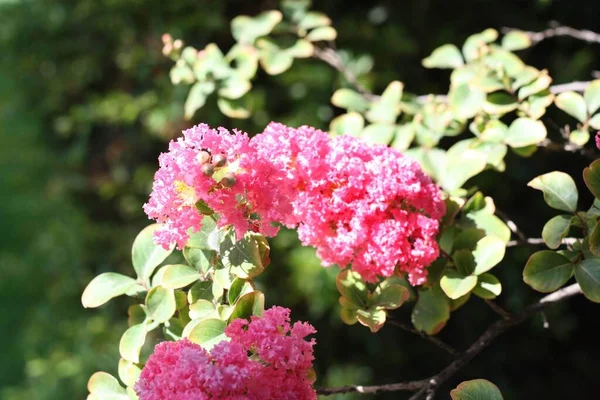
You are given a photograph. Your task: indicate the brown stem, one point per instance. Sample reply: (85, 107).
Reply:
(426, 388)
(438, 342)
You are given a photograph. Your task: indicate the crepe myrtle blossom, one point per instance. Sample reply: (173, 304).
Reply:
(266, 358)
(360, 205)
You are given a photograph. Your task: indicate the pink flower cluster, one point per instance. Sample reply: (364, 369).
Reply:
(361, 205)
(279, 365)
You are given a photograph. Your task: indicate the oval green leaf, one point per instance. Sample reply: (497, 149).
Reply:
(446, 56)
(488, 252)
(573, 104)
(179, 275)
(547, 270)
(587, 274)
(559, 190)
(147, 255)
(131, 343)
(104, 287)
(161, 304)
(250, 304)
(477, 389)
(432, 311)
(208, 332)
(488, 287)
(456, 285)
(106, 387)
(556, 230)
(591, 176)
(525, 132)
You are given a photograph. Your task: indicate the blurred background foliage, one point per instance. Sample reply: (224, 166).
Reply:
(86, 106)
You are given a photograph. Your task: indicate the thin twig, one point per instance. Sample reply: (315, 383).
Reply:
(511, 225)
(426, 387)
(333, 58)
(568, 147)
(438, 342)
(559, 30)
(498, 310)
(537, 241)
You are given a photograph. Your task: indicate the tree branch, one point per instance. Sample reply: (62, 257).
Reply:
(559, 30)
(537, 241)
(438, 342)
(425, 389)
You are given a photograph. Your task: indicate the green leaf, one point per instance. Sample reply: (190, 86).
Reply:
(208, 332)
(446, 56)
(464, 261)
(432, 311)
(351, 286)
(161, 304)
(579, 137)
(378, 133)
(559, 190)
(199, 259)
(488, 253)
(403, 137)
(147, 255)
(104, 287)
(456, 285)
(516, 40)
(500, 103)
(477, 389)
(488, 287)
(490, 224)
(466, 101)
(245, 58)
(595, 240)
(197, 97)
(556, 230)
(373, 318)
(350, 100)
(247, 305)
(347, 124)
(234, 87)
(541, 83)
(129, 373)
(525, 76)
(202, 309)
(131, 342)
(460, 167)
(322, 33)
(243, 257)
(106, 387)
(199, 239)
(200, 290)
(349, 315)
(595, 121)
(547, 270)
(179, 275)
(587, 274)
(239, 287)
(458, 303)
(573, 104)
(592, 97)
(386, 109)
(472, 46)
(313, 19)
(391, 296)
(239, 108)
(526, 151)
(247, 29)
(524, 132)
(591, 176)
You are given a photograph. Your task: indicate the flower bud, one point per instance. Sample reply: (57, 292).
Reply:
(228, 180)
(208, 169)
(203, 157)
(219, 160)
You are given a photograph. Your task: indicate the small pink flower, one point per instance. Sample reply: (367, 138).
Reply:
(598, 140)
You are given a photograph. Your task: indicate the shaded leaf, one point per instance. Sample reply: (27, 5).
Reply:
(104, 287)
(547, 270)
(556, 230)
(559, 190)
(587, 274)
(488, 286)
(432, 311)
(477, 389)
(591, 176)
